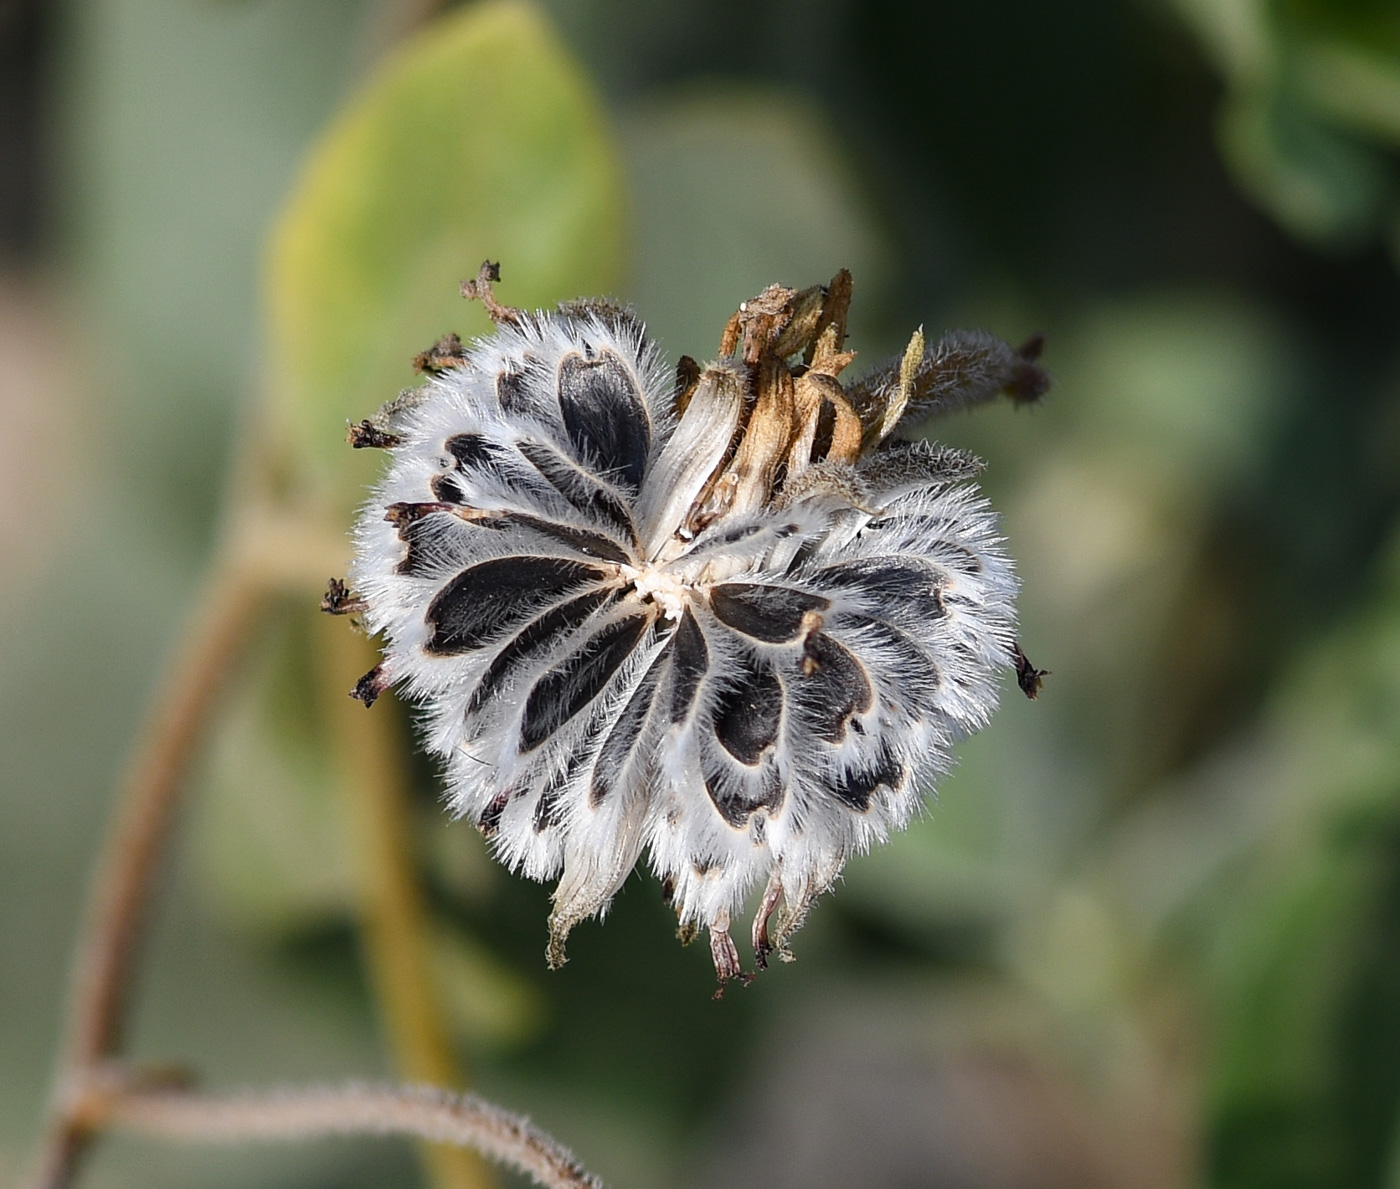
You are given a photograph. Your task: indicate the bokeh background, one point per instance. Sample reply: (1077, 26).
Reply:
(1148, 935)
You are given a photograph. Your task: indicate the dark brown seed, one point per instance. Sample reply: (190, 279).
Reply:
(892, 589)
(490, 821)
(832, 687)
(750, 714)
(690, 658)
(737, 800)
(445, 491)
(488, 600)
(774, 614)
(580, 488)
(578, 679)
(538, 636)
(472, 451)
(856, 785)
(513, 393)
(588, 543)
(624, 737)
(605, 416)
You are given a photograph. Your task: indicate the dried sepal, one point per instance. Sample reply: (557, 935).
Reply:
(1028, 677)
(338, 599)
(965, 367)
(447, 352)
(366, 435)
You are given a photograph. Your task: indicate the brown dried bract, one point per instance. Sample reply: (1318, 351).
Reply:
(480, 290)
(365, 435)
(1028, 677)
(339, 601)
(370, 686)
(790, 345)
(447, 352)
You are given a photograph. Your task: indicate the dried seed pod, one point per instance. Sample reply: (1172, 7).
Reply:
(713, 620)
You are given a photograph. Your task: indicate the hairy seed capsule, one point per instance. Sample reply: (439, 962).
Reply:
(724, 619)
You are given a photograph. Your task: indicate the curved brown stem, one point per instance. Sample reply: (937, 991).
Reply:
(292, 1114)
(264, 552)
(129, 860)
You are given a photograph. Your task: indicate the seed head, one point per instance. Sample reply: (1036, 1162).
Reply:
(724, 618)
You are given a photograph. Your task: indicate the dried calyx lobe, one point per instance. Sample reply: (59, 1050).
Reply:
(721, 615)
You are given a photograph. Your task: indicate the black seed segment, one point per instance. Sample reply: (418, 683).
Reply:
(538, 636)
(892, 588)
(445, 491)
(512, 392)
(418, 537)
(918, 676)
(605, 416)
(690, 659)
(489, 823)
(769, 613)
(855, 786)
(585, 542)
(622, 740)
(736, 803)
(472, 451)
(487, 600)
(578, 679)
(581, 490)
(548, 810)
(833, 687)
(749, 715)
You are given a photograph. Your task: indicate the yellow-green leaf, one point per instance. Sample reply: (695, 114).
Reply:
(478, 138)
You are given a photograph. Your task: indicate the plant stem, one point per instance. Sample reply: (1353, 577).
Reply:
(420, 1111)
(262, 552)
(115, 913)
(394, 917)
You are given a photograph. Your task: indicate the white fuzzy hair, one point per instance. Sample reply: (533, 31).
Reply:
(574, 728)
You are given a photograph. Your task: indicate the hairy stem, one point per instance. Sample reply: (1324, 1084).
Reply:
(130, 856)
(394, 917)
(420, 1111)
(262, 553)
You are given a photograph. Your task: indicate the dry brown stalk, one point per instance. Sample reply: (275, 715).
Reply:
(267, 553)
(423, 1112)
(130, 856)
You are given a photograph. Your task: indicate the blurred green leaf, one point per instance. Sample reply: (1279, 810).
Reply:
(478, 138)
(487, 1002)
(734, 189)
(1280, 862)
(271, 835)
(1311, 117)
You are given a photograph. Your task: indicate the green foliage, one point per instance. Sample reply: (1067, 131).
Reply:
(1303, 962)
(1311, 121)
(478, 138)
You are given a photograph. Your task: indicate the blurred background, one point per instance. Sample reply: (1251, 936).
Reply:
(1148, 934)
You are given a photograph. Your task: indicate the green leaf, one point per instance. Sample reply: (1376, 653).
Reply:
(270, 829)
(478, 138)
(735, 188)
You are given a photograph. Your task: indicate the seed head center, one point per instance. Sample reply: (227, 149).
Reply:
(661, 588)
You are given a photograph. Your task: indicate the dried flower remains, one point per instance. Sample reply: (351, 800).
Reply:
(723, 616)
